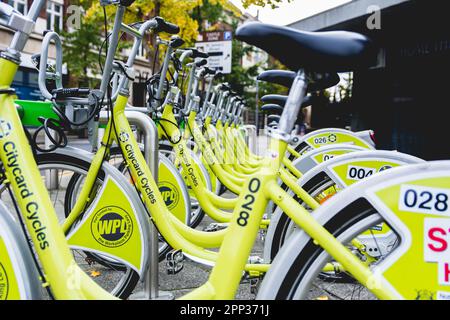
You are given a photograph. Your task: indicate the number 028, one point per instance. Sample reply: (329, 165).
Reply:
(424, 199)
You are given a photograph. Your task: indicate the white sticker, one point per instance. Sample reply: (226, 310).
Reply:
(444, 273)
(442, 295)
(436, 240)
(424, 200)
(359, 173)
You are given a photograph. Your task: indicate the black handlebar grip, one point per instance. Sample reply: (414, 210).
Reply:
(201, 62)
(164, 26)
(36, 60)
(176, 42)
(209, 71)
(199, 54)
(218, 74)
(126, 3)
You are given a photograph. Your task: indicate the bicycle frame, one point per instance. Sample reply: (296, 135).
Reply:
(65, 278)
(260, 188)
(246, 218)
(284, 175)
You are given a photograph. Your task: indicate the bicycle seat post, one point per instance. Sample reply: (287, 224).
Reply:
(292, 107)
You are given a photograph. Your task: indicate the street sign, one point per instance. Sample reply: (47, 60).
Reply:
(218, 45)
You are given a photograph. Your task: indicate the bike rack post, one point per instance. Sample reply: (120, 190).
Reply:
(51, 176)
(151, 153)
(250, 137)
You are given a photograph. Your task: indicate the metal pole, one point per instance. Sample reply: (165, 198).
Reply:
(51, 176)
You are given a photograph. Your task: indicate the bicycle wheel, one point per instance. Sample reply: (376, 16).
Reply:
(73, 188)
(67, 173)
(197, 213)
(296, 272)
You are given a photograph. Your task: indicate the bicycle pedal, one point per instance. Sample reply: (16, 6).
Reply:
(174, 261)
(215, 227)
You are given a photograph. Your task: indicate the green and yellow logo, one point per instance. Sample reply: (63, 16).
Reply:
(111, 226)
(4, 284)
(169, 193)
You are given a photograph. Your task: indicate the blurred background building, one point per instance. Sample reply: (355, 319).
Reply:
(404, 96)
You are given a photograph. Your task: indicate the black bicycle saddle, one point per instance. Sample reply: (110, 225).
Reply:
(272, 108)
(275, 102)
(329, 51)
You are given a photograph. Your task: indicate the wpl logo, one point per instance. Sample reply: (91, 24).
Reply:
(112, 226)
(169, 193)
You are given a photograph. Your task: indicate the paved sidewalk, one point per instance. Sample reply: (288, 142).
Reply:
(194, 275)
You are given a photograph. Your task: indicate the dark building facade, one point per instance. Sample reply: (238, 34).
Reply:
(404, 97)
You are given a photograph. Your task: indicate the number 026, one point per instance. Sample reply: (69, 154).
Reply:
(424, 199)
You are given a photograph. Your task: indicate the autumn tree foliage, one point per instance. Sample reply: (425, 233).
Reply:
(262, 3)
(82, 46)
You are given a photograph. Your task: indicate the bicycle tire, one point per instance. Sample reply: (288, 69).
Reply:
(130, 279)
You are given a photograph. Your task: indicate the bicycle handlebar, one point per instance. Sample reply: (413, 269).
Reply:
(126, 3)
(176, 42)
(199, 54)
(210, 71)
(225, 87)
(201, 63)
(164, 26)
(16, 21)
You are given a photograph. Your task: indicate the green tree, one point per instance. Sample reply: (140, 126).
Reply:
(81, 46)
(212, 12)
(80, 51)
(242, 79)
(263, 3)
